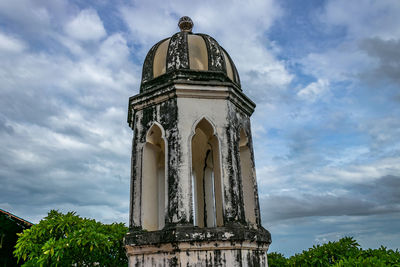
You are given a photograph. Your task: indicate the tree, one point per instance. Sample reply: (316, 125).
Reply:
(345, 252)
(69, 240)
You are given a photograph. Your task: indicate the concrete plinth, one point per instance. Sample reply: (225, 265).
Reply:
(198, 247)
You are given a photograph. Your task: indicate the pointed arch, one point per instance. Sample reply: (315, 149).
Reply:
(206, 174)
(153, 202)
(248, 176)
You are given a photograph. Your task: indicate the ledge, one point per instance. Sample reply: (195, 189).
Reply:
(189, 76)
(138, 237)
(190, 89)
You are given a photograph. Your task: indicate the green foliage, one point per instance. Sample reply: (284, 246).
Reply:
(373, 257)
(345, 252)
(326, 254)
(67, 240)
(276, 259)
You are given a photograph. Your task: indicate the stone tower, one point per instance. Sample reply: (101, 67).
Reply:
(194, 199)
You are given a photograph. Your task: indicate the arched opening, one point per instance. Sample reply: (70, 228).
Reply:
(246, 168)
(206, 177)
(153, 180)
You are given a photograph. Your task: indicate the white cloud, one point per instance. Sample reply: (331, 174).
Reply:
(149, 22)
(30, 15)
(86, 26)
(314, 90)
(342, 63)
(63, 120)
(364, 19)
(356, 173)
(361, 21)
(114, 51)
(9, 44)
(384, 133)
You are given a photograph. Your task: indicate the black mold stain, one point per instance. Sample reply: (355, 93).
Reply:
(179, 228)
(195, 234)
(236, 214)
(177, 54)
(239, 256)
(169, 119)
(217, 258)
(177, 58)
(173, 262)
(216, 59)
(147, 72)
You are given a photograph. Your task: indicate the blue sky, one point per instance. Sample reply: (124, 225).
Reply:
(325, 76)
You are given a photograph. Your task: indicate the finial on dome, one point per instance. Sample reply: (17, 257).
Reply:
(185, 24)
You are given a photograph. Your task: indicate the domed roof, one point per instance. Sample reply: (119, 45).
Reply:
(188, 56)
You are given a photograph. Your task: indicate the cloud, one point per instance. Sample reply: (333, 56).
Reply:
(374, 28)
(63, 119)
(311, 205)
(314, 90)
(343, 63)
(379, 196)
(10, 44)
(388, 56)
(136, 16)
(86, 26)
(384, 133)
(32, 15)
(364, 19)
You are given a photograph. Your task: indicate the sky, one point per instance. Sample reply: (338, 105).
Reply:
(325, 76)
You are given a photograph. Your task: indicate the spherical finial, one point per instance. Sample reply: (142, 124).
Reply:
(185, 24)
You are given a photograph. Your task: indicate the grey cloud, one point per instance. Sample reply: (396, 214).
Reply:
(388, 54)
(286, 207)
(378, 197)
(65, 179)
(385, 190)
(4, 127)
(35, 19)
(381, 17)
(383, 132)
(63, 133)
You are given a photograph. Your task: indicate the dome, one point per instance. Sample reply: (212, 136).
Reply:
(188, 56)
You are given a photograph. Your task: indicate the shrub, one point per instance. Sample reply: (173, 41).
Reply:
(345, 252)
(276, 259)
(69, 240)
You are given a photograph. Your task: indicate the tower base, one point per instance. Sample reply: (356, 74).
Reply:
(192, 246)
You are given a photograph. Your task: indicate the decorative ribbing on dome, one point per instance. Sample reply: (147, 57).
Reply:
(234, 70)
(147, 72)
(178, 54)
(215, 57)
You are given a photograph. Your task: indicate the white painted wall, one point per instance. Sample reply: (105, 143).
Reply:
(153, 181)
(198, 254)
(190, 112)
(247, 179)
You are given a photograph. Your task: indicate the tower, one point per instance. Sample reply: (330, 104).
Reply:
(194, 199)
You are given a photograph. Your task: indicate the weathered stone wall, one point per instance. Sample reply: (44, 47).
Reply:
(178, 115)
(177, 108)
(202, 254)
(164, 113)
(240, 120)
